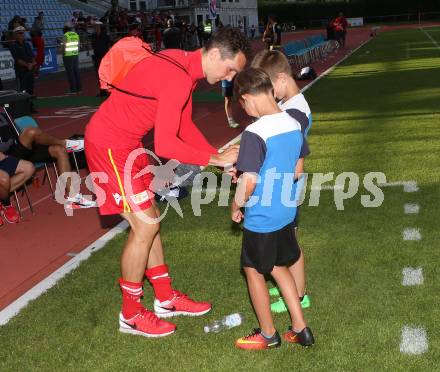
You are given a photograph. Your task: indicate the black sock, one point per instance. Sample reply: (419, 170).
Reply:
(6, 202)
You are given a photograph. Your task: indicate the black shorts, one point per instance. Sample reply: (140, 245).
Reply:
(263, 251)
(38, 154)
(296, 220)
(228, 91)
(9, 165)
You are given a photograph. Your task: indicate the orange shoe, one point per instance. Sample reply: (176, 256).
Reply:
(180, 304)
(304, 338)
(146, 324)
(256, 341)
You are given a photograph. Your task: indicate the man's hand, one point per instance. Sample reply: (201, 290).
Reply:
(236, 213)
(227, 157)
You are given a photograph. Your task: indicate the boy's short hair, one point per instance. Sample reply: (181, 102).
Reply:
(252, 81)
(230, 41)
(273, 62)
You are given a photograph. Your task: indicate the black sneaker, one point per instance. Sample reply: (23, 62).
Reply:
(256, 341)
(304, 338)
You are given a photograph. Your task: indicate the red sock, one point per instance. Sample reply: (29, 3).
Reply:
(161, 282)
(131, 298)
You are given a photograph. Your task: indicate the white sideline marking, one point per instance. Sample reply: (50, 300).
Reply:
(411, 234)
(408, 186)
(430, 37)
(412, 276)
(411, 208)
(14, 308)
(414, 340)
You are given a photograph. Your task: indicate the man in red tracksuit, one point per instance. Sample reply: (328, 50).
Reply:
(340, 25)
(113, 146)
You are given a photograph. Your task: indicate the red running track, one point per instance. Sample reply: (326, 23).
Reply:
(41, 243)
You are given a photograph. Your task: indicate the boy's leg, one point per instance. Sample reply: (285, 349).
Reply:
(286, 283)
(298, 273)
(260, 300)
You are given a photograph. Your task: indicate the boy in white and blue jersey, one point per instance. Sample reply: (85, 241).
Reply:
(269, 152)
(291, 100)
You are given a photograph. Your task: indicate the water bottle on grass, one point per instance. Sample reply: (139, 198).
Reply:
(229, 321)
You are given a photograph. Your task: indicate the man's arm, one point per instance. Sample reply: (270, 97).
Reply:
(172, 99)
(190, 134)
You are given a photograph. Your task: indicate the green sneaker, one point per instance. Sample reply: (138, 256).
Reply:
(274, 291)
(280, 306)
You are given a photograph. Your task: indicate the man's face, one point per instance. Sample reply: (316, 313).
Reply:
(19, 36)
(218, 69)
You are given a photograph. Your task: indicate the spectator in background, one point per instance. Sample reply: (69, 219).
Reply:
(172, 36)
(15, 22)
(330, 30)
(276, 32)
(200, 30)
(70, 58)
(252, 31)
(74, 19)
(112, 15)
(13, 174)
(100, 45)
(340, 25)
(268, 36)
(25, 64)
(37, 40)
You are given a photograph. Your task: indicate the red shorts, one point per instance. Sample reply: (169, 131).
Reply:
(114, 172)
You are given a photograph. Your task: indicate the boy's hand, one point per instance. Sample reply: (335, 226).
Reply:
(236, 215)
(232, 171)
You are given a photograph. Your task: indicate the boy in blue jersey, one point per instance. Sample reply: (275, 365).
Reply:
(277, 66)
(269, 151)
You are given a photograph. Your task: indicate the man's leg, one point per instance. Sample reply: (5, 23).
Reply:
(135, 255)
(25, 170)
(134, 318)
(70, 77)
(5, 185)
(76, 74)
(35, 135)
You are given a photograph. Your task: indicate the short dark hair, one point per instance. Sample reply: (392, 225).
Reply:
(252, 81)
(273, 62)
(230, 41)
